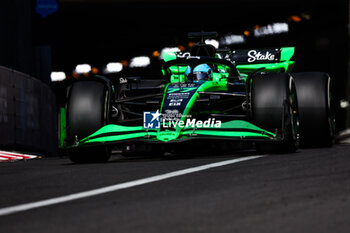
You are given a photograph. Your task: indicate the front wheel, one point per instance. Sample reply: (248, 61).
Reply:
(316, 109)
(87, 111)
(274, 108)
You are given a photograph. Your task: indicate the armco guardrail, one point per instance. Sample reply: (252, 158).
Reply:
(28, 119)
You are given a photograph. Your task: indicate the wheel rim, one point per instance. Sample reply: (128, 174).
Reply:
(294, 111)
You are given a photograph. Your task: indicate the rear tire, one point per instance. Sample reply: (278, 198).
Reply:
(316, 110)
(87, 111)
(274, 108)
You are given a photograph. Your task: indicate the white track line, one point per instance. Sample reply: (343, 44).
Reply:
(112, 188)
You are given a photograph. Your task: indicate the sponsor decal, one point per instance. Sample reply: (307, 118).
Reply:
(181, 90)
(171, 115)
(186, 55)
(183, 55)
(255, 56)
(258, 56)
(123, 80)
(175, 102)
(176, 96)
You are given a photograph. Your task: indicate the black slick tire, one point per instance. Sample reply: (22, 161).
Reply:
(274, 108)
(316, 110)
(87, 111)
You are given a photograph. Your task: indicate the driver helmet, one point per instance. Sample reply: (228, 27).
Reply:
(202, 72)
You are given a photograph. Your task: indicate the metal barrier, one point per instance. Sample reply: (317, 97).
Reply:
(28, 118)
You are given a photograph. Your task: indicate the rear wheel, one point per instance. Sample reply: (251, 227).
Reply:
(87, 111)
(274, 108)
(316, 111)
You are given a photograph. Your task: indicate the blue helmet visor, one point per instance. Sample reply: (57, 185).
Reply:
(201, 76)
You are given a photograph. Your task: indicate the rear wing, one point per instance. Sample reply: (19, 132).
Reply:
(246, 61)
(254, 56)
(271, 60)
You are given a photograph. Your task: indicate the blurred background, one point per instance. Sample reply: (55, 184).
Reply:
(58, 40)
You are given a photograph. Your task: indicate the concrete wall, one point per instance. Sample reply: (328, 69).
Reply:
(24, 45)
(28, 119)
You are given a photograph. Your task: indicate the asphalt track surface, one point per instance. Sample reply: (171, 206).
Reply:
(308, 191)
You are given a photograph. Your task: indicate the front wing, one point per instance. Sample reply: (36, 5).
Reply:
(232, 130)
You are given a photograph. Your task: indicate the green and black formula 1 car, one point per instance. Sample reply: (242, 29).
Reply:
(206, 97)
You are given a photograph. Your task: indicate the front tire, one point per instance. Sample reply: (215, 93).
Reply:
(87, 111)
(274, 108)
(316, 110)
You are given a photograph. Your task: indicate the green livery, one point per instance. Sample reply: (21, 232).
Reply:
(249, 97)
